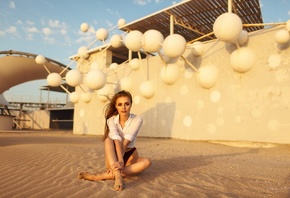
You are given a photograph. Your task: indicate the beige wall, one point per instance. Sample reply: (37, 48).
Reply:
(6, 122)
(251, 106)
(38, 119)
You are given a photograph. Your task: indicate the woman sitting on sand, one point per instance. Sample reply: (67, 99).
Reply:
(120, 133)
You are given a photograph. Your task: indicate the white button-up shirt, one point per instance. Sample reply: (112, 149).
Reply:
(129, 132)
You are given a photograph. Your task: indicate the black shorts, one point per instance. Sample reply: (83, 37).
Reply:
(128, 154)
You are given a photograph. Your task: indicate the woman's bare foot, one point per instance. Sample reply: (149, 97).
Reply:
(118, 186)
(95, 177)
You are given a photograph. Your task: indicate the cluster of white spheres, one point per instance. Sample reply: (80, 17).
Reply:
(243, 59)
(227, 27)
(207, 76)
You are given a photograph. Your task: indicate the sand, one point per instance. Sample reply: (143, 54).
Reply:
(46, 164)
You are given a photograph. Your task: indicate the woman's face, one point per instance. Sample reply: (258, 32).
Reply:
(123, 105)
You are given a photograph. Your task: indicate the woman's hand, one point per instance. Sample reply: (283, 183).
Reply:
(117, 166)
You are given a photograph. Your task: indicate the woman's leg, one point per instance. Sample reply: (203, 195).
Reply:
(135, 165)
(111, 158)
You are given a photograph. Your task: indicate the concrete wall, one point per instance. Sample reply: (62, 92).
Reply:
(251, 106)
(6, 122)
(38, 119)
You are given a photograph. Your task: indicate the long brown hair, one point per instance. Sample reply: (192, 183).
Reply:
(110, 108)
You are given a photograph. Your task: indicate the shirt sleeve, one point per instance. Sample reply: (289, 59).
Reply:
(133, 128)
(113, 130)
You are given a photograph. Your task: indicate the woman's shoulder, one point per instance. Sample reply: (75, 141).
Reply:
(136, 117)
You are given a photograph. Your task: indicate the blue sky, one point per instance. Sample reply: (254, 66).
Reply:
(52, 27)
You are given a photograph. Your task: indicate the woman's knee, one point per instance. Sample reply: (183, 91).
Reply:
(146, 162)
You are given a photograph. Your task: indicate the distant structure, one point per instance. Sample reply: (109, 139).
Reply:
(19, 67)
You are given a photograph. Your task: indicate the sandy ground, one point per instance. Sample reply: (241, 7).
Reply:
(45, 164)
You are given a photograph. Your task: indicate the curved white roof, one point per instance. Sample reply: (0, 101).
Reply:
(20, 67)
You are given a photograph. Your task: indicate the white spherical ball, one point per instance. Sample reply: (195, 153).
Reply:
(121, 22)
(135, 63)
(170, 73)
(84, 27)
(227, 27)
(74, 78)
(243, 37)
(152, 41)
(74, 97)
(282, 36)
(40, 59)
(207, 76)
(102, 34)
(126, 83)
(243, 59)
(114, 65)
(116, 41)
(83, 52)
(133, 40)
(95, 79)
(197, 48)
(174, 45)
(86, 97)
(147, 89)
(54, 79)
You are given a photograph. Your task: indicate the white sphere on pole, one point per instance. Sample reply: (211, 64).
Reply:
(84, 27)
(40, 59)
(207, 76)
(227, 27)
(135, 63)
(121, 22)
(54, 79)
(147, 89)
(116, 41)
(174, 45)
(170, 73)
(282, 37)
(83, 52)
(102, 34)
(74, 97)
(95, 79)
(152, 41)
(74, 78)
(242, 59)
(133, 40)
(126, 84)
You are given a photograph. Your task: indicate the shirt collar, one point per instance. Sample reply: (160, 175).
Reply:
(116, 119)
